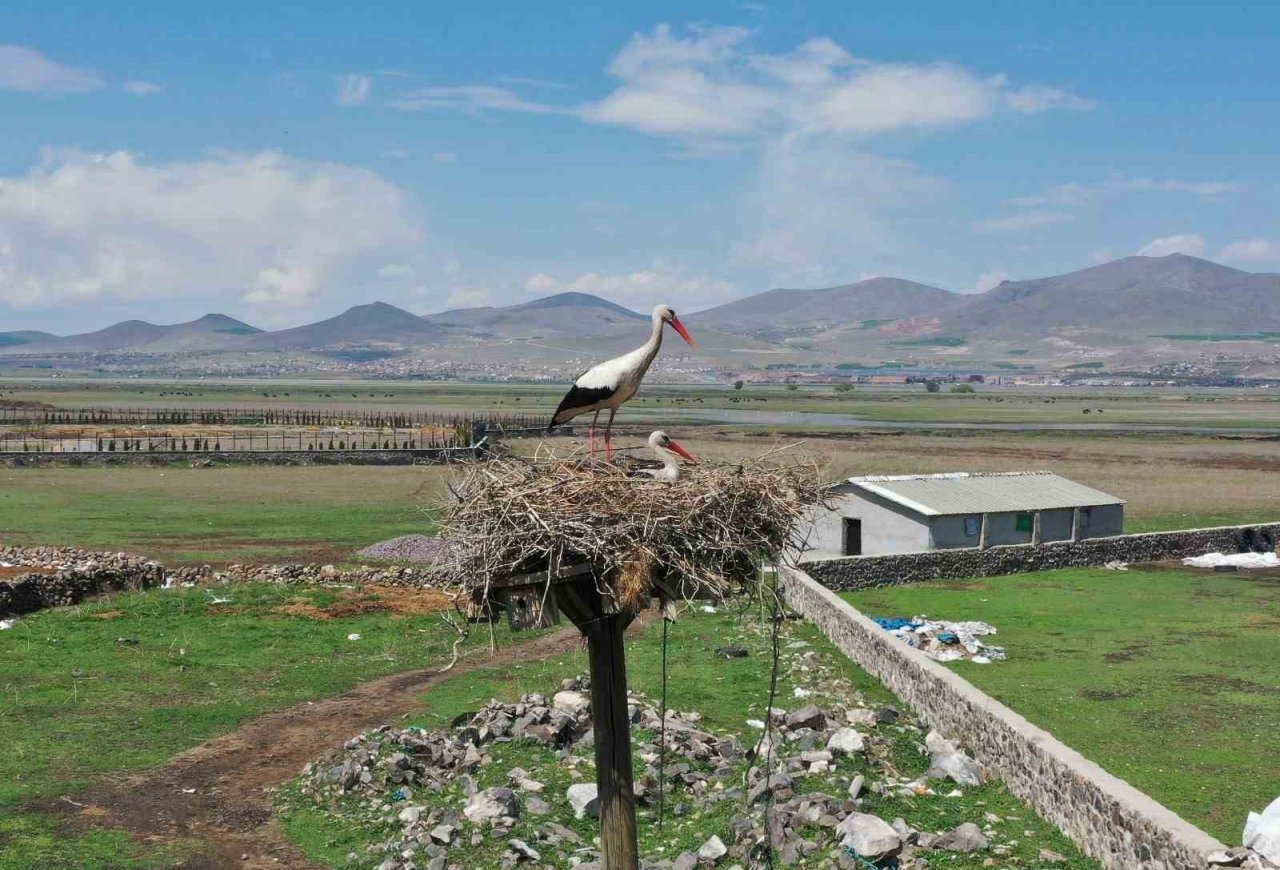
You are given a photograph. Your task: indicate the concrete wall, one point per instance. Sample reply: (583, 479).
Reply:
(1106, 817)
(893, 570)
(886, 527)
(1104, 522)
(1002, 530)
(947, 533)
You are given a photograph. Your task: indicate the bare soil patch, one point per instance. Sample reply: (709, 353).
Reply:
(216, 799)
(400, 600)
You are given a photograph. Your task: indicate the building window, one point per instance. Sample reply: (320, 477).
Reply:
(972, 526)
(1085, 515)
(1025, 522)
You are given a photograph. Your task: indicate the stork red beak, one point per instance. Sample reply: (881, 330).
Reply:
(685, 453)
(684, 333)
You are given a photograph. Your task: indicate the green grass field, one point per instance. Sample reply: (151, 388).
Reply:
(217, 514)
(1168, 678)
(726, 692)
(129, 682)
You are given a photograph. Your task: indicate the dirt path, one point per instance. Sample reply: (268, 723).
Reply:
(219, 793)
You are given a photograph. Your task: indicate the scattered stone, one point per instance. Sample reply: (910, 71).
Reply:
(732, 652)
(571, 702)
(1052, 857)
(585, 800)
(492, 804)
(712, 850)
(808, 716)
(869, 836)
(524, 850)
(846, 741)
(964, 838)
(855, 787)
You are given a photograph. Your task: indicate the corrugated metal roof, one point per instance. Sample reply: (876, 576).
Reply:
(965, 493)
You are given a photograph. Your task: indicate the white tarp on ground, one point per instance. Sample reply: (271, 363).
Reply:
(1262, 832)
(1239, 560)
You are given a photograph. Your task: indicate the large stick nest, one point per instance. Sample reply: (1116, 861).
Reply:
(708, 530)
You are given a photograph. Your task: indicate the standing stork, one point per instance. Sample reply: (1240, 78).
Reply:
(613, 382)
(666, 449)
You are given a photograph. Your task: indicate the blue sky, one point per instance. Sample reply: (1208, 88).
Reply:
(161, 161)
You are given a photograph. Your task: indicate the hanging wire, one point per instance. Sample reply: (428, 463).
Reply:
(662, 732)
(768, 728)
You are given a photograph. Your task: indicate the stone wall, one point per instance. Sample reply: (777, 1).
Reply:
(1106, 817)
(861, 572)
(65, 575)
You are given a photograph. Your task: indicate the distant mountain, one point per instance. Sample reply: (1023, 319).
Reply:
(210, 332)
(779, 313)
(564, 314)
(1128, 299)
(23, 337)
(375, 322)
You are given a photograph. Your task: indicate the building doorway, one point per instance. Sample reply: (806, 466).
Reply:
(852, 537)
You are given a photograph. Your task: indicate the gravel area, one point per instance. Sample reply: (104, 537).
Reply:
(407, 548)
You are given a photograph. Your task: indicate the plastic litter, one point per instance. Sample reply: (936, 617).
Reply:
(944, 641)
(353, 636)
(6, 624)
(1237, 560)
(1262, 832)
(1116, 565)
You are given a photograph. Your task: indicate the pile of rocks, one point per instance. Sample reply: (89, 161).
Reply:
(66, 575)
(787, 793)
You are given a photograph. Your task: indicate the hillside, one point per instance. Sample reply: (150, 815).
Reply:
(210, 332)
(1135, 298)
(565, 314)
(374, 322)
(779, 313)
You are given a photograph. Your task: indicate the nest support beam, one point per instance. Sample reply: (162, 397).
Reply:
(603, 625)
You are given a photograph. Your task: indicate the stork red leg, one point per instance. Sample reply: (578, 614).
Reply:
(608, 435)
(591, 436)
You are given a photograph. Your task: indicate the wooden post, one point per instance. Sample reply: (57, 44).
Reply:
(613, 743)
(603, 624)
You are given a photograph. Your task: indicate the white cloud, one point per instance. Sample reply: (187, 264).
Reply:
(662, 283)
(1076, 193)
(821, 210)
(705, 84)
(1187, 243)
(275, 230)
(353, 90)
(140, 88)
(470, 98)
(1022, 222)
(1202, 188)
(987, 280)
(395, 270)
(1252, 250)
(27, 70)
(469, 297)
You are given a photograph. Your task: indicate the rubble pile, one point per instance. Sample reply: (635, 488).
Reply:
(804, 787)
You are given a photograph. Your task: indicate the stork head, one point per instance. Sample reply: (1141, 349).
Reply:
(662, 441)
(667, 314)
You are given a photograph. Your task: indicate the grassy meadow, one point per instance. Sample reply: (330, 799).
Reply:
(1167, 677)
(167, 670)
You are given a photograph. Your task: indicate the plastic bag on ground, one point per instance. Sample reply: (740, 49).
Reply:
(1262, 832)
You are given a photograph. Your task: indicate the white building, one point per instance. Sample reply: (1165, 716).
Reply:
(918, 512)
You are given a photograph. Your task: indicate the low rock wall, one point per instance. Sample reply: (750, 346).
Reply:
(1106, 817)
(66, 575)
(862, 572)
(63, 576)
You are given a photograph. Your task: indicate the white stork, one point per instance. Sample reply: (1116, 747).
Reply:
(613, 382)
(666, 449)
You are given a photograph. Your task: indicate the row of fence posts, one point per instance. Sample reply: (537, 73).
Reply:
(235, 442)
(369, 419)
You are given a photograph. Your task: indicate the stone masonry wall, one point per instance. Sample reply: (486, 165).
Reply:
(440, 456)
(1106, 817)
(862, 572)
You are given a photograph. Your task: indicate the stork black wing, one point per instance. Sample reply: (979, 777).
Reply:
(576, 401)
